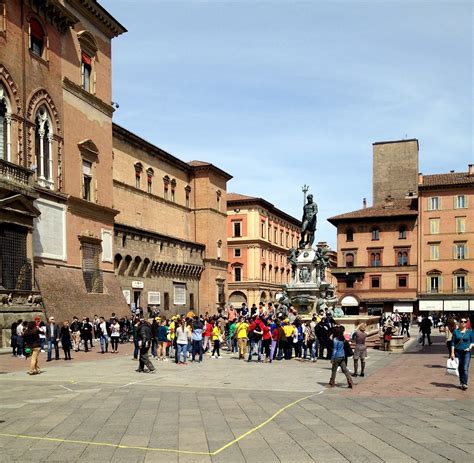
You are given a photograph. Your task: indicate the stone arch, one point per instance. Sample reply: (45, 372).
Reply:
(263, 296)
(11, 88)
(237, 297)
(42, 97)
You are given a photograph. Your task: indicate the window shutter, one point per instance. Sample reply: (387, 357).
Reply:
(36, 30)
(86, 59)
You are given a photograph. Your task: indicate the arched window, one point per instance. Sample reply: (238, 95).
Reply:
(149, 179)
(37, 37)
(402, 258)
(375, 259)
(43, 148)
(350, 260)
(5, 126)
(138, 174)
(375, 234)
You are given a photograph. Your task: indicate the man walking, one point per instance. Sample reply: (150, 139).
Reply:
(425, 328)
(197, 339)
(52, 338)
(144, 343)
(104, 335)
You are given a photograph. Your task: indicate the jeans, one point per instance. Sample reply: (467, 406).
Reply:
(51, 343)
(182, 350)
(197, 350)
(258, 346)
(339, 362)
(19, 345)
(135, 348)
(215, 351)
(429, 338)
(314, 349)
(463, 368)
(154, 344)
(104, 343)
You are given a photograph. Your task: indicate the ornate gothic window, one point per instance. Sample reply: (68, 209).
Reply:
(43, 148)
(5, 126)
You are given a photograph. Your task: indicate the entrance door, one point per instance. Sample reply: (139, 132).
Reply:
(136, 298)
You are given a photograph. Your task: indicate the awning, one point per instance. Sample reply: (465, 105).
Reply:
(431, 306)
(456, 306)
(349, 301)
(403, 307)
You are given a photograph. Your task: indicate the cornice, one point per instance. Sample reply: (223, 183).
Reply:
(80, 93)
(99, 16)
(55, 13)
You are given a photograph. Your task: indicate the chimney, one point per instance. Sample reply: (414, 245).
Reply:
(388, 201)
(470, 169)
(364, 203)
(420, 179)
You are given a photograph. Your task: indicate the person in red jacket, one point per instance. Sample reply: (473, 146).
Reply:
(266, 340)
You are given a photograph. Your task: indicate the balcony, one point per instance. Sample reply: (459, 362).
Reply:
(13, 173)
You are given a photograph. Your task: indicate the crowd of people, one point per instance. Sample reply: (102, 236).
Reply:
(258, 334)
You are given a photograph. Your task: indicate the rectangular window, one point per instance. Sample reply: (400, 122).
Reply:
(236, 252)
(281, 237)
(172, 196)
(91, 272)
(179, 293)
(375, 282)
(86, 180)
(165, 192)
(275, 235)
(375, 234)
(350, 259)
(86, 70)
(434, 203)
(237, 274)
(434, 226)
(460, 283)
(269, 233)
(460, 224)
(263, 253)
(149, 184)
(349, 284)
(166, 304)
(237, 229)
(402, 281)
(434, 251)
(287, 240)
(460, 202)
(460, 251)
(434, 284)
(262, 229)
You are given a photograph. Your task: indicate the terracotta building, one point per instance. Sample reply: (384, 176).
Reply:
(259, 236)
(170, 233)
(410, 251)
(56, 207)
(446, 218)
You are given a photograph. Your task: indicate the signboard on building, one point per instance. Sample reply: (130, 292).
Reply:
(456, 306)
(154, 298)
(403, 307)
(431, 306)
(137, 284)
(180, 294)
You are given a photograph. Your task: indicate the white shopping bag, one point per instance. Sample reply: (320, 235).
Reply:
(452, 367)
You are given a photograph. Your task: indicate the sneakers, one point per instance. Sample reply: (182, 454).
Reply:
(464, 387)
(355, 375)
(219, 357)
(362, 375)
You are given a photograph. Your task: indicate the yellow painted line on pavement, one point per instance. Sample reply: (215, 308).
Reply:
(156, 449)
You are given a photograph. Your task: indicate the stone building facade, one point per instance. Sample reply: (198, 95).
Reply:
(411, 251)
(170, 233)
(259, 236)
(56, 158)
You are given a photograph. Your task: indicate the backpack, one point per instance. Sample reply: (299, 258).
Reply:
(348, 352)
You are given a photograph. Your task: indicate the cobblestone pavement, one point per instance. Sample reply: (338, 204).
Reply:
(226, 410)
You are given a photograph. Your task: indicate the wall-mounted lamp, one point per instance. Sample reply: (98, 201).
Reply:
(237, 210)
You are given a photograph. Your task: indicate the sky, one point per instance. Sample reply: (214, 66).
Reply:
(282, 94)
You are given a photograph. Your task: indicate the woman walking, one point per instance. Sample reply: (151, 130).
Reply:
(216, 339)
(114, 335)
(448, 331)
(338, 357)
(462, 343)
(182, 339)
(32, 341)
(360, 349)
(66, 343)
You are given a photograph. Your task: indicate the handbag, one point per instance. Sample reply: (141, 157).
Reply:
(452, 367)
(348, 352)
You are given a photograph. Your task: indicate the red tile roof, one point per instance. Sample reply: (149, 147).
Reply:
(452, 178)
(238, 197)
(398, 208)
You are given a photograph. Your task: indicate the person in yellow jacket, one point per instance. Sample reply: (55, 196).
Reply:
(216, 339)
(290, 331)
(241, 331)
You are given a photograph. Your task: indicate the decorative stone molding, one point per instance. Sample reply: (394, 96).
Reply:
(8, 81)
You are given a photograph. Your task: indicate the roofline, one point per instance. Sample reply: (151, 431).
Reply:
(212, 167)
(396, 141)
(265, 204)
(141, 143)
(334, 220)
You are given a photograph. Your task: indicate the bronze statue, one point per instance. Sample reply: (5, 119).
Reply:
(308, 226)
(292, 260)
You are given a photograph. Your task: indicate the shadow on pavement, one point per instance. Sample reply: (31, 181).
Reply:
(445, 385)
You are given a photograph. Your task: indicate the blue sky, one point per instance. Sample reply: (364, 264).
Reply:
(285, 93)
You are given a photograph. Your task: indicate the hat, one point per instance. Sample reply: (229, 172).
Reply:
(157, 319)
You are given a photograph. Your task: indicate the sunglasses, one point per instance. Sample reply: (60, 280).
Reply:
(463, 321)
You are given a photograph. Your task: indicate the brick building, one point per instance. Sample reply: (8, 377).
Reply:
(57, 213)
(411, 250)
(259, 236)
(446, 225)
(170, 233)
